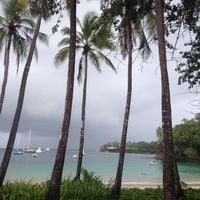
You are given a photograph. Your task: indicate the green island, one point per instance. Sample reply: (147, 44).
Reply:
(186, 142)
(132, 147)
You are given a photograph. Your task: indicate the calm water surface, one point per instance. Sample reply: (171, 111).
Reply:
(137, 167)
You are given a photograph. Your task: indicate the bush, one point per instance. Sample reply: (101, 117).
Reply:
(89, 187)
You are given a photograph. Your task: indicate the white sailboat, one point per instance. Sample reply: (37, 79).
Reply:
(39, 150)
(76, 156)
(18, 151)
(47, 149)
(28, 150)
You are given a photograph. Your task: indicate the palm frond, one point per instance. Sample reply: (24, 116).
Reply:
(64, 42)
(106, 60)
(3, 36)
(20, 47)
(143, 44)
(95, 60)
(43, 38)
(36, 53)
(88, 25)
(150, 24)
(61, 56)
(12, 10)
(65, 31)
(102, 38)
(3, 21)
(79, 24)
(27, 22)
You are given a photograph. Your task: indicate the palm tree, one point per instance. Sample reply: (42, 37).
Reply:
(91, 40)
(170, 176)
(14, 128)
(133, 16)
(16, 27)
(54, 185)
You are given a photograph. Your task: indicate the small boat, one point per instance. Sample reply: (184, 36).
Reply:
(39, 150)
(35, 155)
(153, 162)
(47, 149)
(18, 152)
(29, 151)
(76, 156)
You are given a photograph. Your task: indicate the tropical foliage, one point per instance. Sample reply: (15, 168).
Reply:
(183, 20)
(89, 187)
(186, 139)
(16, 30)
(132, 147)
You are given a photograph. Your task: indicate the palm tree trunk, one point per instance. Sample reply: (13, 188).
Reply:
(14, 128)
(6, 66)
(82, 131)
(168, 151)
(178, 189)
(54, 186)
(118, 180)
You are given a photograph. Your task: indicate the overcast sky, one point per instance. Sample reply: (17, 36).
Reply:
(45, 95)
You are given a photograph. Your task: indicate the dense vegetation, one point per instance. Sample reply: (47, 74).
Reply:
(186, 139)
(186, 142)
(132, 147)
(89, 187)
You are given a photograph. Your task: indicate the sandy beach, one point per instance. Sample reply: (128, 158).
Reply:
(142, 185)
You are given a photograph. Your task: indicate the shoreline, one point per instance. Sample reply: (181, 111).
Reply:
(143, 185)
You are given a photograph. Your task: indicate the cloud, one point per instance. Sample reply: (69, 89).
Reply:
(106, 95)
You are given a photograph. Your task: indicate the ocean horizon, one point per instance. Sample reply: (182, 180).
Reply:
(137, 167)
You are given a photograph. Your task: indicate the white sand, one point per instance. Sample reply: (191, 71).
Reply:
(142, 185)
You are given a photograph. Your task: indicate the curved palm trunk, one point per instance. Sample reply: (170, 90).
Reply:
(54, 186)
(171, 183)
(6, 66)
(82, 131)
(13, 132)
(118, 180)
(178, 188)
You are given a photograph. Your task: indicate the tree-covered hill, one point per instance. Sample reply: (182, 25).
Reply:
(132, 147)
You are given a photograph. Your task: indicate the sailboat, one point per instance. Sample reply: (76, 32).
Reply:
(18, 151)
(76, 156)
(28, 150)
(47, 149)
(39, 150)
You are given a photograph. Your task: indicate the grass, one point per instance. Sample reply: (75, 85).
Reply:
(89, 187)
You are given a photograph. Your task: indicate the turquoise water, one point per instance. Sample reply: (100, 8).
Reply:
(137, 167)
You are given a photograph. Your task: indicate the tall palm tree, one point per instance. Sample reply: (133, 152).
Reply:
(133, 16)
(54, 185)
(14, 128)
(168, 151)
(91, 40)
(16, 28)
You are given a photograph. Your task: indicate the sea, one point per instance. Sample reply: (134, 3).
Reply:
(137, 167)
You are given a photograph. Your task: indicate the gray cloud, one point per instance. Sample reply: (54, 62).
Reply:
(45, 95)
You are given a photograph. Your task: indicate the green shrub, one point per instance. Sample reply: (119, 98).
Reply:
(89, 187)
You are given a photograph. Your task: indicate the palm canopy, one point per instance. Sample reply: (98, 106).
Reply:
(142, 18)
(91, 39)
(17, 25)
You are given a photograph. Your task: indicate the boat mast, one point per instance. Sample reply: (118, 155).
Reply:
(29, 137)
